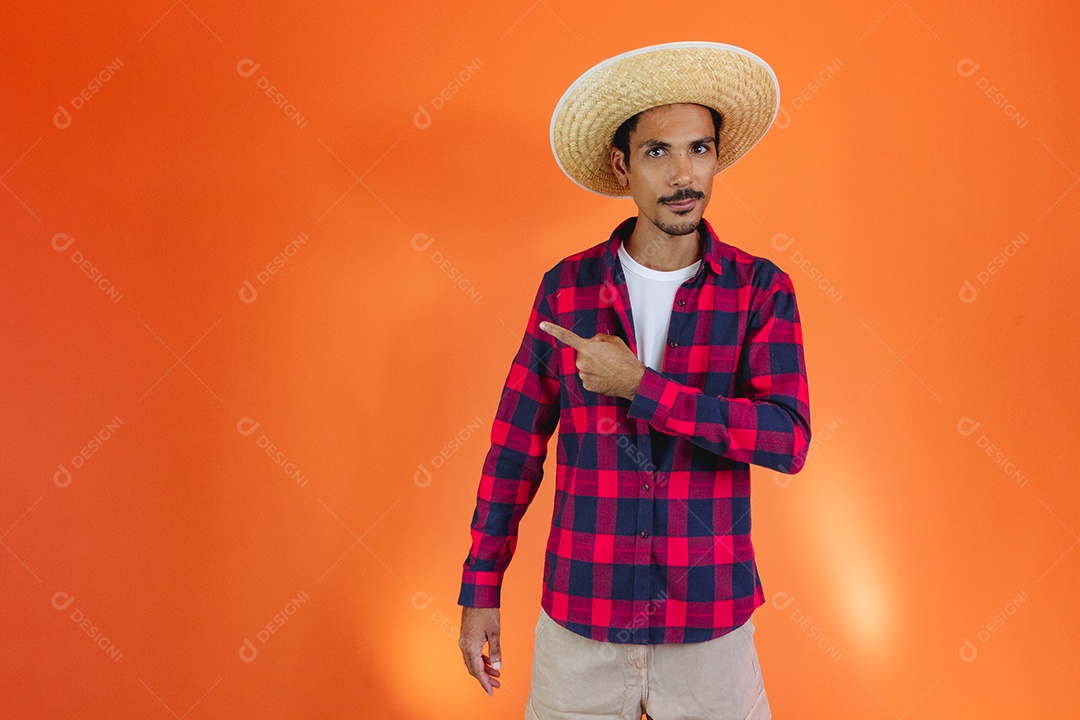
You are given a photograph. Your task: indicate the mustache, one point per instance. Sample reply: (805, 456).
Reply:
(681, 196)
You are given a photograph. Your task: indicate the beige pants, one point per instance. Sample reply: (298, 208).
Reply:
(577, 678)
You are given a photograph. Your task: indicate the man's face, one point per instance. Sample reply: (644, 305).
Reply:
(673, 158)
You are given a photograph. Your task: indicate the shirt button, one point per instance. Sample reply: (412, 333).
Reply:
(682, 302)
(646, 486)
(644, 533)
(673, 344)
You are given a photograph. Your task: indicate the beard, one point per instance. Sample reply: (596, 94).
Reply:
(678, 227)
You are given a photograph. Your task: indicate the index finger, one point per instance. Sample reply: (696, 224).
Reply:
(475, 663)
(561, 333)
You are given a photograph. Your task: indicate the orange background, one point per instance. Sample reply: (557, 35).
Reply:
(909, 571)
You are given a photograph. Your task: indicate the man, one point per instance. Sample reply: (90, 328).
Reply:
(672, 361)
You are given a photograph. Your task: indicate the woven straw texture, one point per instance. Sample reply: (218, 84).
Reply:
(743, 90)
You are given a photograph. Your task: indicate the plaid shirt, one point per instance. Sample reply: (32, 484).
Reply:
(650, 531)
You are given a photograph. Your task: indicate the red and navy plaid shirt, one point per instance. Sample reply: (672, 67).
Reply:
(650, 532)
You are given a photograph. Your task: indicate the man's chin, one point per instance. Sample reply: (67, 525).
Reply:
(682, 226)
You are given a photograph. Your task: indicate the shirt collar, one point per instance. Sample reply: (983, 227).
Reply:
(710, 254)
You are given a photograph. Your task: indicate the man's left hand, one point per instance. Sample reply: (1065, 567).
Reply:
(605, 364)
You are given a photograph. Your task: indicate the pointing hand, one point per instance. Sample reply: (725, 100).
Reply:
(604, 362)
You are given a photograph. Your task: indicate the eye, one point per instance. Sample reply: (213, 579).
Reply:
(703, 146)
(650, 151)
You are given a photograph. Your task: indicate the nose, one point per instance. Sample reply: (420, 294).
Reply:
(680, 168)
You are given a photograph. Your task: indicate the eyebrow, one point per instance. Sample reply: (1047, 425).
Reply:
(660, 143)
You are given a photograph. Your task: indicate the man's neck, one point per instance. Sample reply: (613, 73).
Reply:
(655, 249)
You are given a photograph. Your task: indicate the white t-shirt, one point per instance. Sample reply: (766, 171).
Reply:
(652, 293)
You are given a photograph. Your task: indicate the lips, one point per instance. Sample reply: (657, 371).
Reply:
(682, 205)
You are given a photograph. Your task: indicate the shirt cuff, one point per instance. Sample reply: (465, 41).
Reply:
(654, 398)
(480, 589)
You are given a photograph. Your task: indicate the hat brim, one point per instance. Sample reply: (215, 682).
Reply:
(735, 82)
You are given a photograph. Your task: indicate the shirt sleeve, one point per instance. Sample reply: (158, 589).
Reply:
(526, 417)
(771, 425)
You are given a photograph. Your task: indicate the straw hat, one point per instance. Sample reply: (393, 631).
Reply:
(737, 83)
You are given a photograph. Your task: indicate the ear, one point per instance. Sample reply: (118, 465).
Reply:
(618, 166)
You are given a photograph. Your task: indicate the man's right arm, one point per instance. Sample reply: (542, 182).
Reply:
(525, 420)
